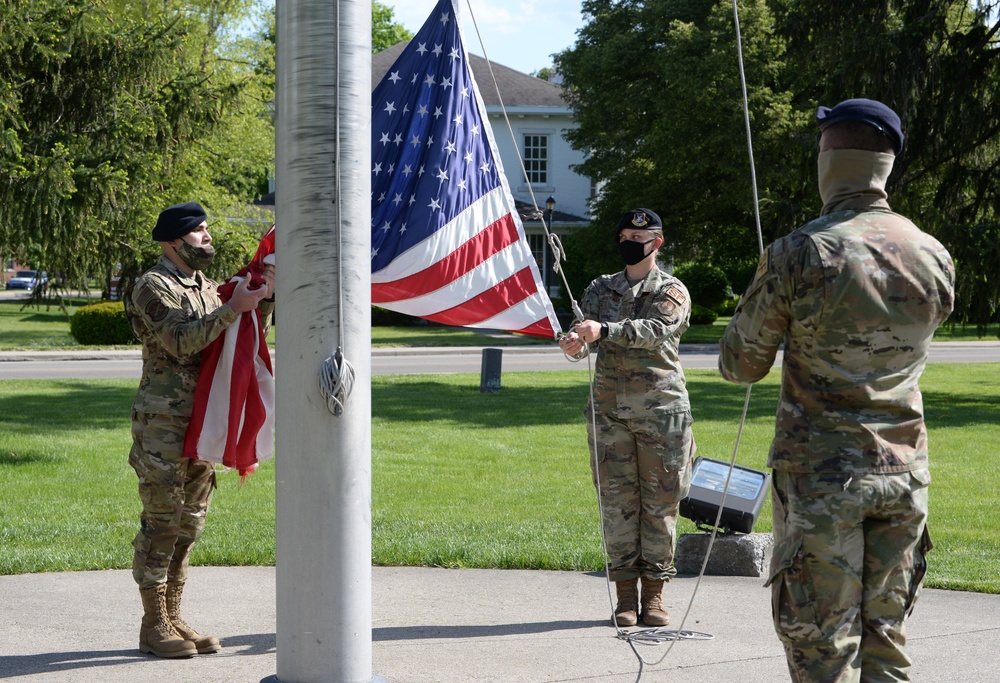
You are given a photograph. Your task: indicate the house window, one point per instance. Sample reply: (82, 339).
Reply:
(537, 244)
(536, 158)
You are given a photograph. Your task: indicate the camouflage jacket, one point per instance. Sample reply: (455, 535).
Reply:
(855, 296)
(638, 370)
(175, 316)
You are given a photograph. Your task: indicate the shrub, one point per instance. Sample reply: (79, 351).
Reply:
(707, 284)
(102, 324)
(729, 306)
(702, 316)
(383, 317)
(740, 273)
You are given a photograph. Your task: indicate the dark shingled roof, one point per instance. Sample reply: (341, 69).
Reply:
(516, 88)
(527, 213)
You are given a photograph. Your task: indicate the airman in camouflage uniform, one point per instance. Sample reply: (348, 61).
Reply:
(855, 297)
(640, 410)
(175, 311)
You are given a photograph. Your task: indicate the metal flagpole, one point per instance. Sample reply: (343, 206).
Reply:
(323, 462)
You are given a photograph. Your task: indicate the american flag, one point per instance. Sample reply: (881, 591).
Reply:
(447, 242)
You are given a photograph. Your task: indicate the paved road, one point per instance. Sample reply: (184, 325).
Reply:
(403, 361)
(385, 361)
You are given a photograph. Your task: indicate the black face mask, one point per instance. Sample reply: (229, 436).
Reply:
(633, 252)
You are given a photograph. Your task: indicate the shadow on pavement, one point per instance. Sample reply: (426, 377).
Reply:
(390, 633)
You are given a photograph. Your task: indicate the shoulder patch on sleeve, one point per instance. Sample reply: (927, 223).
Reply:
(675, 293)
(667, 307)
(156, 311)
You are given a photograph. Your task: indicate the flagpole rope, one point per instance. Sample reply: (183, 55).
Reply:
(651, 636)
(746, 120)
(336, 377)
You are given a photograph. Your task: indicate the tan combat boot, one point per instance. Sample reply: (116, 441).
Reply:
(156, 635)
(653, 612)
(204, 644)
(627, 611)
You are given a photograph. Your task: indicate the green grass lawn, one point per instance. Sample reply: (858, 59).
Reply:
(460, 478)
(36, 328)
(46, 328)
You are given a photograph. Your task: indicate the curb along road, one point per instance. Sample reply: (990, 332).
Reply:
(127, 363)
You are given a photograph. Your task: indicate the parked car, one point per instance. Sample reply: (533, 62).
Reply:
(28, 279)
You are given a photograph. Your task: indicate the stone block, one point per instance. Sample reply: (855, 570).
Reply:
(732, 554)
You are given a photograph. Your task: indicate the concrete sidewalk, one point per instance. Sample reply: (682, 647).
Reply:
(451, 626)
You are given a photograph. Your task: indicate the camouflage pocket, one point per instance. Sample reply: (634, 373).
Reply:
(825, 485)
(792, 596)
(677, 449)
(922, 477)
(784, 555)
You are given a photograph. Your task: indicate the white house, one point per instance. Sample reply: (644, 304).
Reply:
(539, 118)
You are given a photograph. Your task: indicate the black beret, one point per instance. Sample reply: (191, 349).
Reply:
(178, 220)
(869, 111)
(638, 219)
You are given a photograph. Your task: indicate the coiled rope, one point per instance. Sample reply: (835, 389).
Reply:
(336, 377)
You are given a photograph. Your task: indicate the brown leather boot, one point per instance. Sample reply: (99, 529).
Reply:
(627, 611)
(653, 612)
(204, 644)
(156, 635)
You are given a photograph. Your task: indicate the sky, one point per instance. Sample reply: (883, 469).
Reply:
(520, 34)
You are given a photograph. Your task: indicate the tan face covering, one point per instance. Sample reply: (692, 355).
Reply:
(852, 173)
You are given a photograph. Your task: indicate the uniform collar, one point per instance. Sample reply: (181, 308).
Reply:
(619, 282)
(182, 277)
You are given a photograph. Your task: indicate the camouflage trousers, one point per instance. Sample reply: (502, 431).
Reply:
(642, 470)
(175, 493)
(847, 567)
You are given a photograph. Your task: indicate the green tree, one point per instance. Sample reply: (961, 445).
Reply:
(590, 251)
(385, 31)
(936, 63)
(234, 158)
(657, 95)
(655, 85)
(108, 113)
(545, 73)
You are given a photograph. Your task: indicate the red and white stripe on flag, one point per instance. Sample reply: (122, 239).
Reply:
(447, 242)
(233, 418)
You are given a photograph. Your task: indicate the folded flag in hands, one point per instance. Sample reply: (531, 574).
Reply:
(233, 419)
